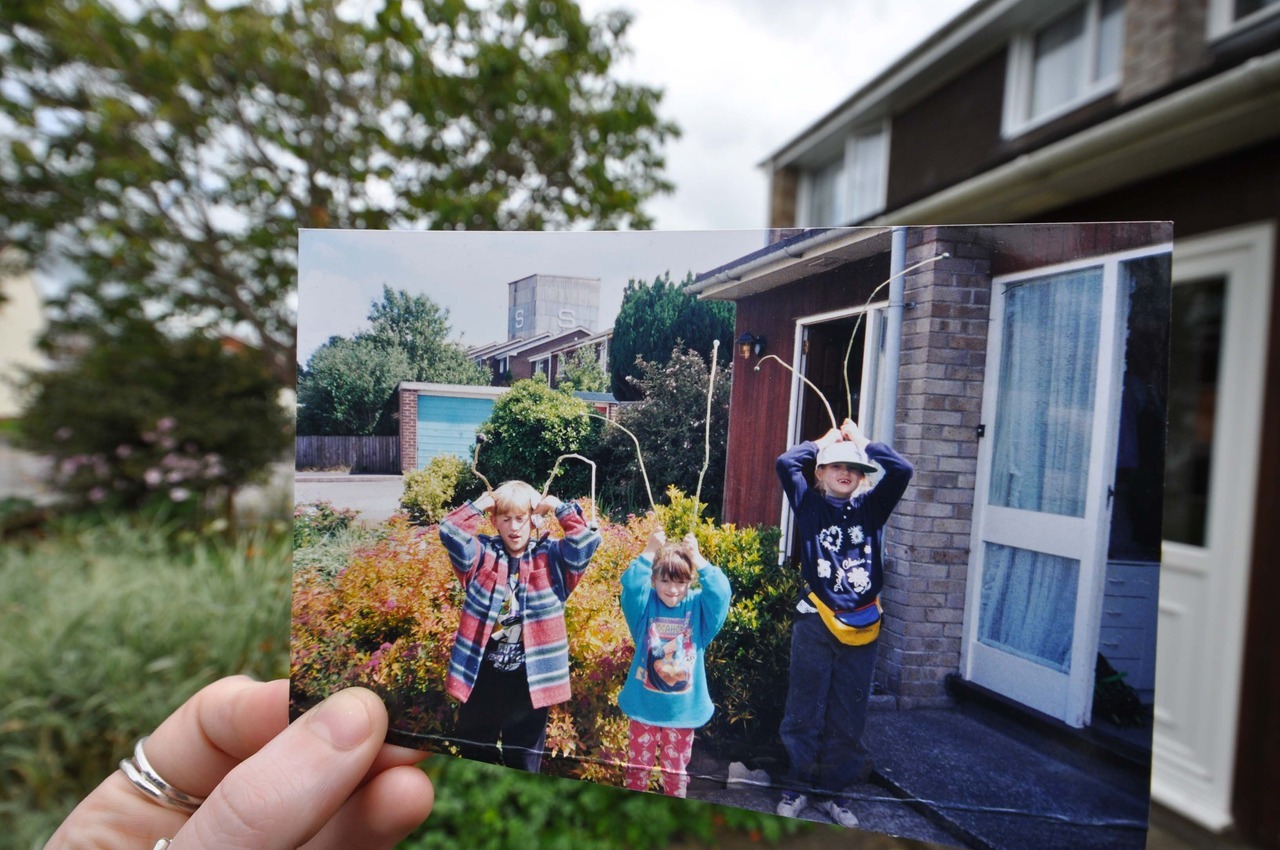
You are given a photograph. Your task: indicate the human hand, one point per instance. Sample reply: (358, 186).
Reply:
(691, 544)
(832, 436)
(546, 505)
(850, 431)
(657, 539)
(325, 781)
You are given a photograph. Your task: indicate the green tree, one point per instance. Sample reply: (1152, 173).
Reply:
(581, 372)
(349, 388)
(656, 319)
(169, 153)
(140, 416)
(670, 424)
(531, 425)
(419, 327)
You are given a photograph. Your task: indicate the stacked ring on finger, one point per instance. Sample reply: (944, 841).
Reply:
(144, 777)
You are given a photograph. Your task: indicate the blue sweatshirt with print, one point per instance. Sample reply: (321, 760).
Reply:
(667, 683)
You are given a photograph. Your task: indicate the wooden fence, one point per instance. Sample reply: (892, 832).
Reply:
(377, 455)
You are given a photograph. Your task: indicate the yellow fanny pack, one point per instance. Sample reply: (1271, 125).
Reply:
(842, 625)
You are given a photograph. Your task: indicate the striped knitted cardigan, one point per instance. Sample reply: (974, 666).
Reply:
(549, 571)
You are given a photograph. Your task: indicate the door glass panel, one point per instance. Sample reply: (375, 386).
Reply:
(1045, 401)
(1195, 349)
(1028, 604)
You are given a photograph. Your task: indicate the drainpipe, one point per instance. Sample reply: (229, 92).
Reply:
(887, 406)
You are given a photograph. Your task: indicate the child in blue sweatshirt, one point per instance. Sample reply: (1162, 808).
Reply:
(666, 690)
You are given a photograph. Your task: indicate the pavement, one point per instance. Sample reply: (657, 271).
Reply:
(374, 497)
(948, 778)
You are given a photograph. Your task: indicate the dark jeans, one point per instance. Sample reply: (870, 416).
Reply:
(498, 723)
(826, 708)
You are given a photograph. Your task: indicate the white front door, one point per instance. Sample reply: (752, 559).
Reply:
(1038, 558)
(1217, 361)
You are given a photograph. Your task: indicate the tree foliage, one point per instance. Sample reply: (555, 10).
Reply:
(171, 152)
(139, 417)
(348, 386)
(420, 328)
(531, 425)
(581, 372)
(656, 319)
(670, 425)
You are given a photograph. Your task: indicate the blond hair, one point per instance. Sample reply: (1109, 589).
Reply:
(514, 497)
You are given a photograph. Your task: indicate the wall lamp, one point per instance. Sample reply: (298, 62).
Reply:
(749, 344)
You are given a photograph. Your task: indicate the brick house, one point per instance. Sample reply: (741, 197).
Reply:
(518, 358)
(1113, 110)
(551, 362)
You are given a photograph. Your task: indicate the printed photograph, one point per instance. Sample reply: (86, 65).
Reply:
(855, 525)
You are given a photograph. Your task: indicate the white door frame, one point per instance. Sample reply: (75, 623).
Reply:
(1200, 649)
(870, 356)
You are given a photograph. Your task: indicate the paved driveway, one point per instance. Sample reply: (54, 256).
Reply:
(375, 497)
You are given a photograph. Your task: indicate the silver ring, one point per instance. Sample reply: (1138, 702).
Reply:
(162, 844)
(144, 777)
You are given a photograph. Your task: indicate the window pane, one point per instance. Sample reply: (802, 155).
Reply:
(1028, 604)
(1245, 8)
(1044, 418)
(1195, 348)
(826, 202)
(1057, 76)
(868, 174)
(1106, 64)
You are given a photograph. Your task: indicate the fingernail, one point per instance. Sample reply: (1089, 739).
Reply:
(342, 720)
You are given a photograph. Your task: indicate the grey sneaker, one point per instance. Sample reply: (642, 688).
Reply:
(838, 811)
(792, 804)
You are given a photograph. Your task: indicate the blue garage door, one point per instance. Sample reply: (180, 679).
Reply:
(448, 425)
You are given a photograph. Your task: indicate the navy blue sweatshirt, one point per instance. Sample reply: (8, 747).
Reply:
(840, 544)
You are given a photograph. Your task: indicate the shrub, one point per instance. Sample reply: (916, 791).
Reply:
(314, 522)
(670, 424)
(429, 492)
(140, 417)
(107, 629)
(530, 426)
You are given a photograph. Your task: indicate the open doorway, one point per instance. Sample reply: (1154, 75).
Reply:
(828, 361)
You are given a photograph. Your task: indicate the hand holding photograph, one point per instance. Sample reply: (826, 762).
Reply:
(854, 525)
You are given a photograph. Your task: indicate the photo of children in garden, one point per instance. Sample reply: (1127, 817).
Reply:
(720, 515)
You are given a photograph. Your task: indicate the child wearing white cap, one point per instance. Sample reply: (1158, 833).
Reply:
(833, 639)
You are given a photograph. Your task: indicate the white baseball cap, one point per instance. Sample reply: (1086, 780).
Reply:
(845, 452)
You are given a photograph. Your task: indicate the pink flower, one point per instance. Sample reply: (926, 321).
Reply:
(166, 424)
(179, 494)
(123, 451)
(153, 477)
(97, 494)
(63, 433)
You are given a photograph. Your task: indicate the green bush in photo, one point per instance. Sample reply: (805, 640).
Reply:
(531, 425)
(430, 492)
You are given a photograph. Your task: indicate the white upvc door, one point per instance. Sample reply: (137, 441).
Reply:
(1221, 301)
(1042, 503)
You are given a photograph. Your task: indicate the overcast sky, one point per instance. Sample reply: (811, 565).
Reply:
(741, 78)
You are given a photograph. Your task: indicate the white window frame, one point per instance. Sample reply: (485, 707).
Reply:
(851, 204)
(1220, 19)
(1020, 72)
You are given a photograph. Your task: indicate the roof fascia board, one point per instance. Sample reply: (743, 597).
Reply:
(726, 284)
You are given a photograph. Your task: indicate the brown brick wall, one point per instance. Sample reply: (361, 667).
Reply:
(944, 341)
(782, 197)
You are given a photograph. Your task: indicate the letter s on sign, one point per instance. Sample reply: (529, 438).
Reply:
(519, 318)
(568, 318)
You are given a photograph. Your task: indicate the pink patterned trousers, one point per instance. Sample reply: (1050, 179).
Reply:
(670, 748)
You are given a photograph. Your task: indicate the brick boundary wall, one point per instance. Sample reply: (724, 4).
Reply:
(408, 430)
(943, 364)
